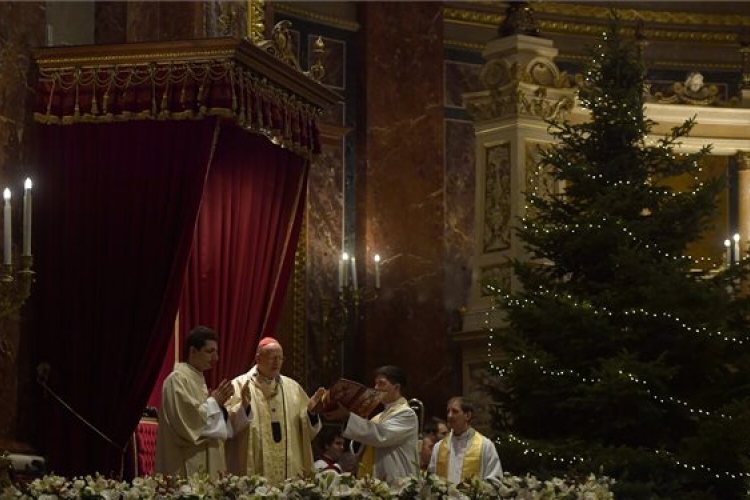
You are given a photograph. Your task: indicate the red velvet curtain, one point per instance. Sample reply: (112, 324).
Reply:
(115, 212)
(243, 253)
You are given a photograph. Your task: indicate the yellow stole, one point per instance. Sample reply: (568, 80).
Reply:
(472, 465)
(367, 462)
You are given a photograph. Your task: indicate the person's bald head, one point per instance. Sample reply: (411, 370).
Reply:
(269, 357)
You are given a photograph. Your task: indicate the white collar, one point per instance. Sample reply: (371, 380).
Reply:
(262, 378)
(390, 405)
(465, 436)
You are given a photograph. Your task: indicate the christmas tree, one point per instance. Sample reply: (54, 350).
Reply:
(623, 355)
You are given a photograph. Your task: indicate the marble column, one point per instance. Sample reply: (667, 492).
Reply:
(525, 88)
(743, 200)
(149, 21)
(400, 211)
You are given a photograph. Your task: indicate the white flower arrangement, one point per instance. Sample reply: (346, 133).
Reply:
(324, 486)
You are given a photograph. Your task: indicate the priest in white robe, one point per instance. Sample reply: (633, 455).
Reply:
(193, 424)
(277, 443)
(390, 437)
(464, 453)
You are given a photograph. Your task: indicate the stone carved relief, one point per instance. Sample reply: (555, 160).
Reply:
(498, 275)
(479, 387)
(539, 180)
(521, 102)
(498, 74)
(693, 91)
(521, 88)
(497, 198)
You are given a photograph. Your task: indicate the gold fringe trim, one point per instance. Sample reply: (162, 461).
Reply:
(254, 102)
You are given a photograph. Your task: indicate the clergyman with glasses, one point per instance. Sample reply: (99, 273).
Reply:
(277, 443)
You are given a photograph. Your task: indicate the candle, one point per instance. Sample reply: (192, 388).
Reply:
(7, 229)
(345, 260)
(736, 238)
(377, 270)
(27, 217)
(354, 272)
(728, 256)
(341, 274)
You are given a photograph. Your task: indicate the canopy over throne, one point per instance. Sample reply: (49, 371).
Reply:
(172, 185)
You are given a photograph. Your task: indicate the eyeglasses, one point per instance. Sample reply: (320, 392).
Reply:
(278, 358)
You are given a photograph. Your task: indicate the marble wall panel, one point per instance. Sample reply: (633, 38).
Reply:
(223, 18)
(460, 77)
(142, 21)
(334, 115)
(111, 21)
(401, 195)
(182, 21)
(324, 234)
(334, 59)
(165, 21)
(459, 216)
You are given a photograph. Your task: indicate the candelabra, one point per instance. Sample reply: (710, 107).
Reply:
(341, 315)
(6, 468)
(15, 281)
(15, 287)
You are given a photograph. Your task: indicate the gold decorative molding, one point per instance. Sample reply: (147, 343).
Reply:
(472, 17)
(590, 18)
(256, 20)
(165, 54)
(582, 59)
(225, 77)
(299, 304)
(281, 44)
(185, 51)
(317, 70)
(462, 45)
(650, 16)
(336, 22)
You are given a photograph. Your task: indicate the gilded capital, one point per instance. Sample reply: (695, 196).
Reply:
(743, 160)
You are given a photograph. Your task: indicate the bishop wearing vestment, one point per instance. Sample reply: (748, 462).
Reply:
(277, 443)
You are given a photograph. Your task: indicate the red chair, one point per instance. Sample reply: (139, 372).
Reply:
(144, 444)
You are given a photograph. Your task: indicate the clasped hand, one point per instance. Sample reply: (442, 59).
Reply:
(222, 393)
